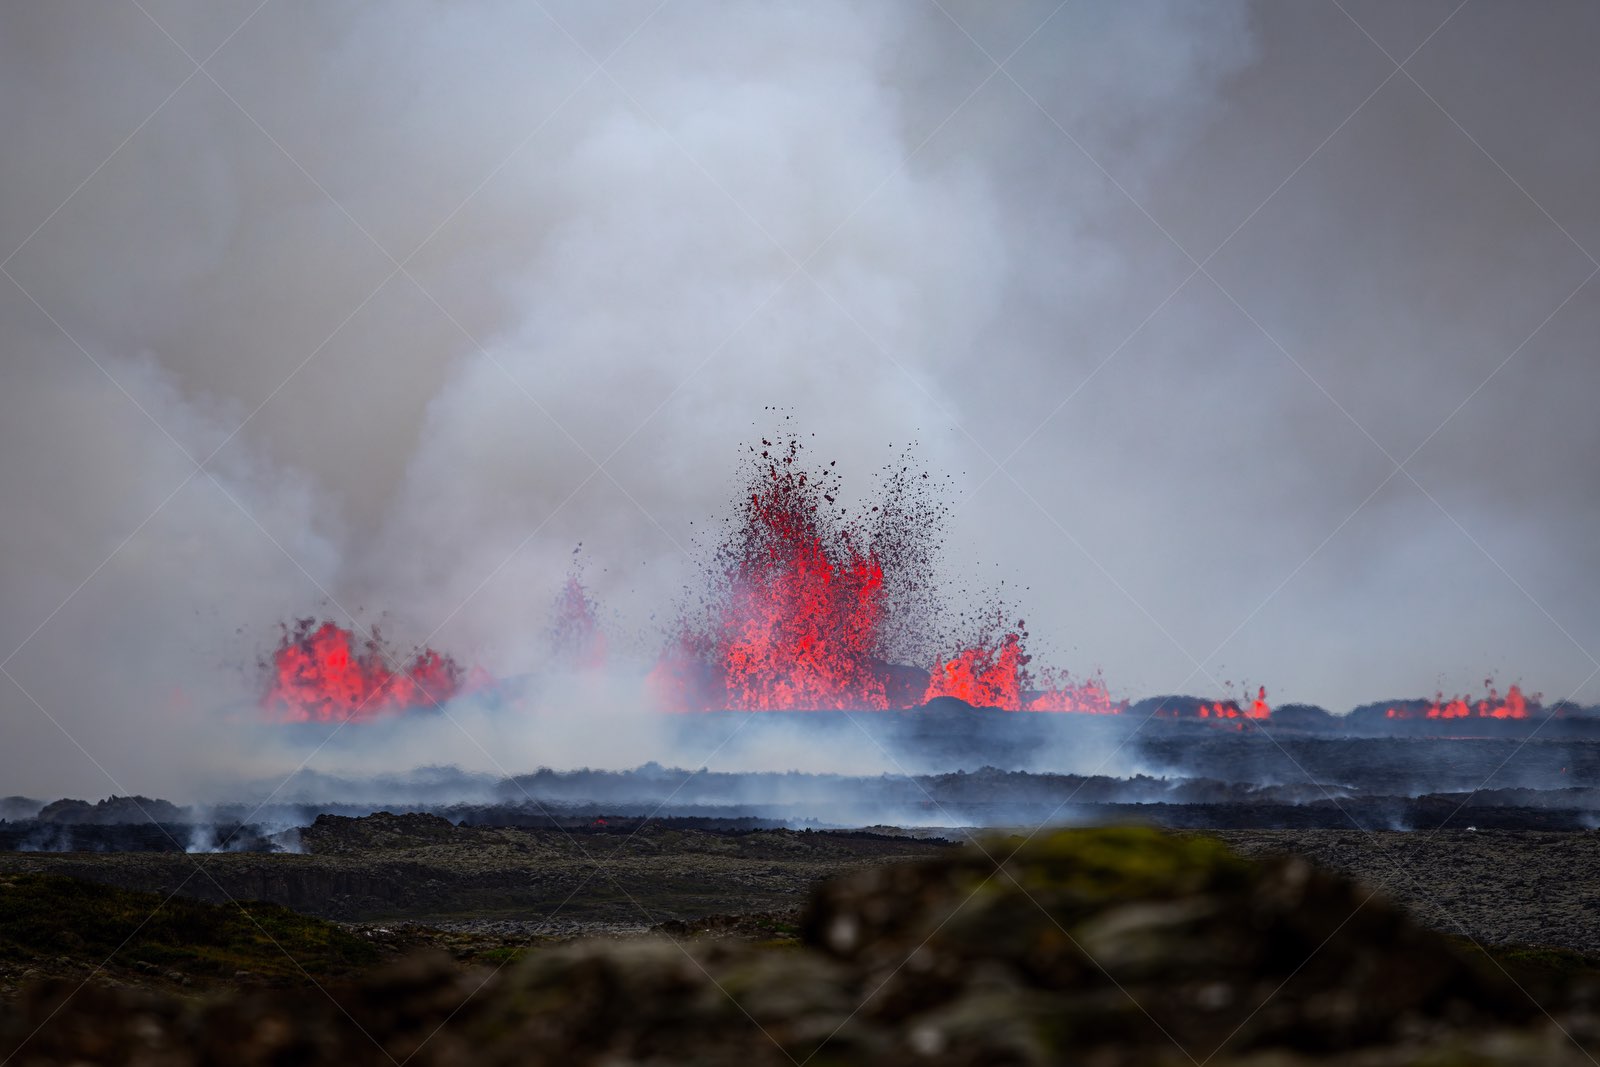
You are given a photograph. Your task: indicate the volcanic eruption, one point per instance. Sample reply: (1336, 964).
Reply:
(320, 672)
(1514, 705)
(808, 607)
(803, 605)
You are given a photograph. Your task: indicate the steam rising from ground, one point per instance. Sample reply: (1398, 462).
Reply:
(834, 208)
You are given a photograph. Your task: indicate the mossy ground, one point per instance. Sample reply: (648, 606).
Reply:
(1122, 862)
(47, 918)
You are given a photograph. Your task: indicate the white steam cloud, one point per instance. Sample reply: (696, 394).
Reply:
(400, 277)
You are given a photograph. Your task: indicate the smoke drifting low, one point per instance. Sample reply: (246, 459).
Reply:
(382, 311)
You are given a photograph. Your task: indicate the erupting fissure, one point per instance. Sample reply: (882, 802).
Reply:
(806, 606)
(1235, 710)
(319, 673)
(1513, 706)
(1229, 709)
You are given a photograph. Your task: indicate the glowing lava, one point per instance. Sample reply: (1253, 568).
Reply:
(810, 610)
(1514, 706)
(1228, 709)
(806, 607)
(985, 677)
(995, 675)
(795, 618)
(1083, 698)
(318, 673)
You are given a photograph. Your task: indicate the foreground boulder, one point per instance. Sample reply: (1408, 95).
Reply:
(1115, 946)
(1126, 937)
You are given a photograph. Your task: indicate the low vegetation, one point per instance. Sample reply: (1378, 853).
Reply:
(50, 923)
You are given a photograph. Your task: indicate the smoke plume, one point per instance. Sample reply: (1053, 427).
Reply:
(380, 311)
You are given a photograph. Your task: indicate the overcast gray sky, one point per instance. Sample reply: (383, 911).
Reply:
(1255, 357)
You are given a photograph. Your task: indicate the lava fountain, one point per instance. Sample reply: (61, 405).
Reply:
(810, 608)
(1513, 706)
(320, 673)
(794, 617)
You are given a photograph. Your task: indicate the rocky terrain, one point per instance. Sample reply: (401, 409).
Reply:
(1493, 886)
(508, 880)
(1102, 947)
(628, 876)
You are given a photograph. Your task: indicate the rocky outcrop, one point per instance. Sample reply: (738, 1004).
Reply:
(338, 835)
(111, 811)
(1127, 936)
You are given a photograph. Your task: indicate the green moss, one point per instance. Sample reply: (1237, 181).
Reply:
(1535, 965)
(1120, 863)
(43, 917)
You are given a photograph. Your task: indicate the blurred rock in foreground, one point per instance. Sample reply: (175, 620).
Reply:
(1114, 946)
